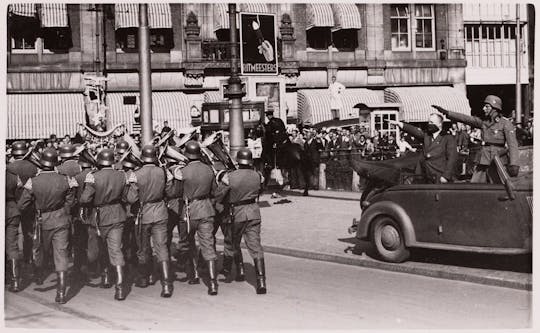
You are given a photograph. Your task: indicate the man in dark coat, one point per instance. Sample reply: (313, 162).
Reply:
(310, 170)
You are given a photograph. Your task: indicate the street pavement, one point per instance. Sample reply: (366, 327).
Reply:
(302, 294)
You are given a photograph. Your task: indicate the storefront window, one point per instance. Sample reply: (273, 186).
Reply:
(161, 40)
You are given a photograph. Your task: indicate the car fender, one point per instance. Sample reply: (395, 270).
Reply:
(391, 209)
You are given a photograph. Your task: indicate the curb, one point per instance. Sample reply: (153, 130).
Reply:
(399, 268)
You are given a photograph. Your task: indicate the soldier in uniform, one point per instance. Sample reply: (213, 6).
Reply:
(105, 190)
(242, 187)
(13, 220)
(499, 136)
(69, 166)
(199, 187)
(120, 148)
(25, 170)
(148, 185)
(54, 196)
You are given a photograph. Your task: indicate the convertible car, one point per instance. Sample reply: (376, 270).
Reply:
(485, 218)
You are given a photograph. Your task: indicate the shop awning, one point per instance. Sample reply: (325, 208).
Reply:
(37, 116)
(416, 101)
(213, 97)
(346, 16)
(23, 9)
(319, 15)
(127, 15)
(314, 104)
(171, 106)
(221, 16)
(54, 15)
(254, 7)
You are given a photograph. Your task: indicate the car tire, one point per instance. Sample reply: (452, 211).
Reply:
(388, 239)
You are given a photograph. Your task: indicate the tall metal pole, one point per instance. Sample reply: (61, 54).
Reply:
(145, 75)
(234, 93)
(518, 67)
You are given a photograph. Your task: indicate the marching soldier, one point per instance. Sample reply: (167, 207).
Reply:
(70, 166)
(53, 196)
(498, 134)
(242, 188)
(105, 191)
(13, 220)
(120, 148)
(199, 186)
(175, 205)
(25, 170)
(148, 186)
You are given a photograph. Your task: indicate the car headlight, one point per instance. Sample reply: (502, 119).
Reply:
(365, 204)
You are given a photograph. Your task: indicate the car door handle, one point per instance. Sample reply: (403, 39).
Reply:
(437, 197)
(504, 198)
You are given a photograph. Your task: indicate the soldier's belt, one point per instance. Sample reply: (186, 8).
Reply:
(49, 210)
(243, 202)
(501, 145)
(153, 201)
(202, 197)
(112, 203)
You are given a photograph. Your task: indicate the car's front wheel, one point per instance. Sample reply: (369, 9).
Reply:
(388, 239)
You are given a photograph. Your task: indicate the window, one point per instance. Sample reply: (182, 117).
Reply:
(23, 45)
(379, 122)
(399, 21)
(319, 38)
(345, 39)
(425, 24)
(161, 40)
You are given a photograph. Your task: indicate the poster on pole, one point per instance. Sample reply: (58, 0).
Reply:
(258, 44)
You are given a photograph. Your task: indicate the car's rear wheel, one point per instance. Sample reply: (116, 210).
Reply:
(388, 239)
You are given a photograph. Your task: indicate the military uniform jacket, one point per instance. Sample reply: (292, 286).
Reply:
(69, 168)
(199, 187)
(12, 184)
(24, 169)
(106, 195)
(175, 193)
(150, 189)
(495, 133)
(440, 154)
(80, 177)
(53, 194)
(243, 186)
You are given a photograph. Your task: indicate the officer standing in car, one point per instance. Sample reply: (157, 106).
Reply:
(199, 185)
(243, 188)
(148, 185)
(498, 134)
(54, 196)
(105, 190)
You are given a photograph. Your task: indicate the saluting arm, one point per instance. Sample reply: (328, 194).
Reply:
(460, 117)
(413, 130)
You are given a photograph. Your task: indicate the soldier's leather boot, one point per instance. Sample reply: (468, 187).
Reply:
(120, 288)
(142, 278)
(106, 278)
(261, 278)
(15, 276)
(239, 262)
(227, 266)
(38, 274)
(61, 287)
(153, 276)
(166, 283)
(212, 286)
(194, 272)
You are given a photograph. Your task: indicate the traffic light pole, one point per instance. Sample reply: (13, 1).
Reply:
(234, 92)
(145, 76)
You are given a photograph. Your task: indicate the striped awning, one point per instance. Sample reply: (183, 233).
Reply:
(36, 116)
(254, 7)
(54, 15)
(171, 106)
(127, 15)
(23, 9)
(416, 101)
(346, 16)
(221, 16)
(319, 15)
(213, 96)
(314, 104)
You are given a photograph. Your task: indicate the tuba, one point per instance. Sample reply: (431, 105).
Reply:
(215, 145)
(130, 160)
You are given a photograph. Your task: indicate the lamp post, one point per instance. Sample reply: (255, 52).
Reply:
(234, 92)
(518, 66)
(145, 76)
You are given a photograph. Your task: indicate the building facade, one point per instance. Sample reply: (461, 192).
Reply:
(409, 54)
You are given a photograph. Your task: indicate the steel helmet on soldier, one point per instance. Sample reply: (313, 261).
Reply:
(149, 154)
(121, 147)
(244, 157)
(19, 148)
(66, 151)
(105, 157)
(193, 150)
(494, 101)
(49, 158)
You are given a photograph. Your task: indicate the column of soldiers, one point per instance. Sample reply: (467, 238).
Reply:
(115, 215)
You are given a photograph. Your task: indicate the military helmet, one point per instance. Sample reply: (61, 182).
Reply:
(149, 154)
(129, 162)
(84, 163)
(66, 150)
(244, 157)
(19, 148)
(122, 146)
(105, 157)
(193, 150)
(494, 101)
(49, 158)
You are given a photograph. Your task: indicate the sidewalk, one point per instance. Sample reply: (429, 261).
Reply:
(315, 227)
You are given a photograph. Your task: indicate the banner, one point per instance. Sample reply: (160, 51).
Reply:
(258, 44)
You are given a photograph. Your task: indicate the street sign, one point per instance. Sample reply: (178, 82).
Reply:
(258, 44)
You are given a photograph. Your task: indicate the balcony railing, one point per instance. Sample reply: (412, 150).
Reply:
(215, 50)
